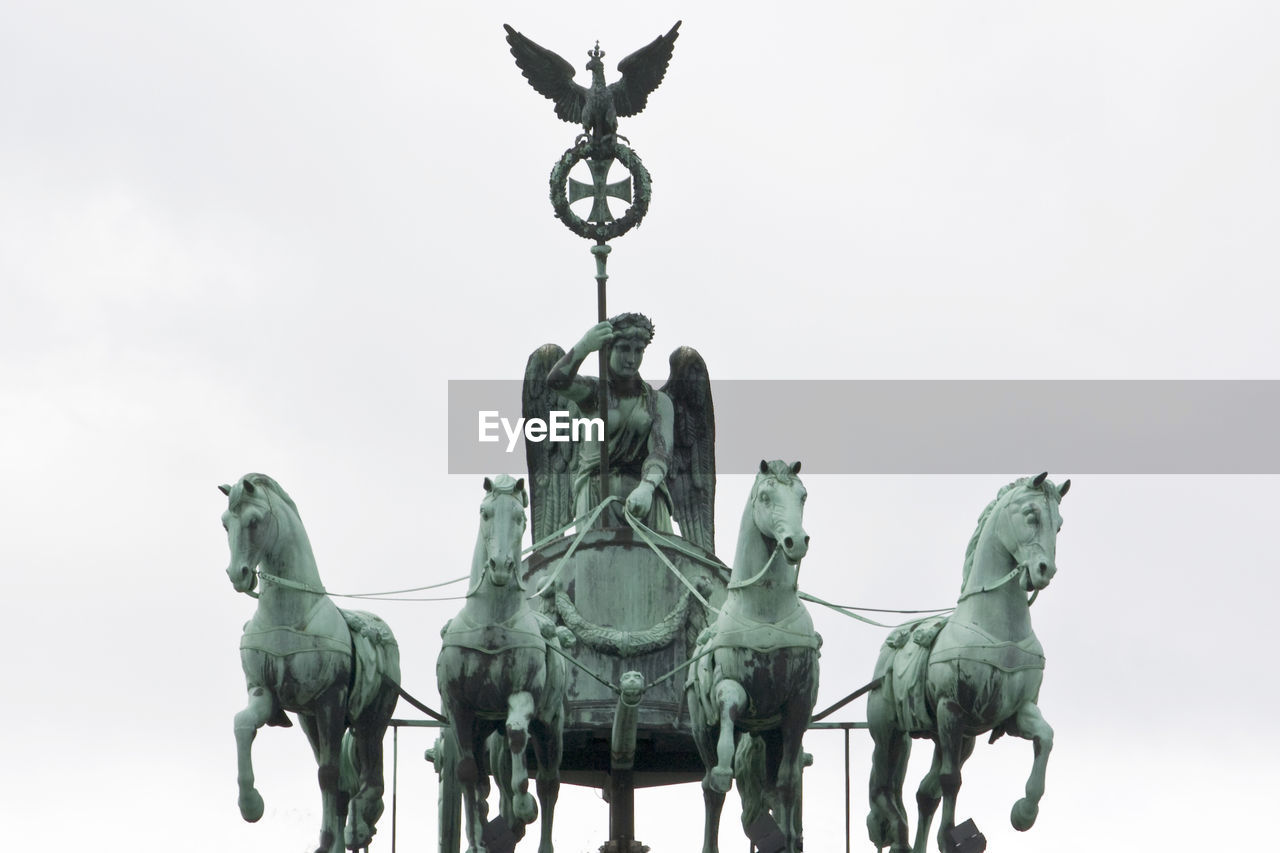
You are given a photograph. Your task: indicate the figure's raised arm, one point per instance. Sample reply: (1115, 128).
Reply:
(564, 378)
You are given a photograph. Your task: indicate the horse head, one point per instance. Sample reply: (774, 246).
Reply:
(777, 507)
(1027, 522)
(502, 523)
(251, 528)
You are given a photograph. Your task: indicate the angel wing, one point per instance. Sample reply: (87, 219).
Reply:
(641, 72)
(692, 475)
(550, 462)
(551, 75)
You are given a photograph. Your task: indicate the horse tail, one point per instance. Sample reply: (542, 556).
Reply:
(348, 769)
(749, 773)
(375, 662)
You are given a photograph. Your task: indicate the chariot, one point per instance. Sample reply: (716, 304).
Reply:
(630, 603)
(631, 613)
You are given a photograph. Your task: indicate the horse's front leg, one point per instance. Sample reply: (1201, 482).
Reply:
(469, 773)
(247, 723)
(548, 745)
(520, 708)
(713, 800)
(495, 747)
(1031, 726)
(731, 699)
(795, 719)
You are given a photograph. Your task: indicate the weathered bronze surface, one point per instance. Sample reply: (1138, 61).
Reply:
(660, 443)
(499, 674)
(337, 670)
(634, 604)
(752, 691)
(978, 670)
(628, 611)
(595, 107)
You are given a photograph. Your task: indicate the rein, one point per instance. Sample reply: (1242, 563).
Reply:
(1013, 573)
(751, 581)
(285, 582)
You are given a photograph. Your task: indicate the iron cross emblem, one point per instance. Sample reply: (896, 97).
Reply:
(600, 190)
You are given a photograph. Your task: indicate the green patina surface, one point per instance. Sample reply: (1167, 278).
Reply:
(977, 670)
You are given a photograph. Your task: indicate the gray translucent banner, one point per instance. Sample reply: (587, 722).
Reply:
(945, 427)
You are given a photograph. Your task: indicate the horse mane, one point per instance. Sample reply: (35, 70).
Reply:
(268, 482)
(505, 484)
(972, 547)
(777, 469)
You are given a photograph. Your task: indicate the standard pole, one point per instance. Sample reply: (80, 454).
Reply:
(601, 252)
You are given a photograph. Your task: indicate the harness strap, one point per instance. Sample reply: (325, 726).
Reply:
(846, 612)
(421, 706)
(589, 519)
(557, 650)
(866, 688)
(1013, 573)
(640, 528)
(739, 584)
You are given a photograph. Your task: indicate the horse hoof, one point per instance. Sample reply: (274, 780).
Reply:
(358, 837)
(1024, 814)
(878, 831)
(329, 844)
(524, 807)
(251, 805)
(721, 780)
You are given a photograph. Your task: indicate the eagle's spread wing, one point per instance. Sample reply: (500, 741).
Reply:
(550, 462)
(692, 476)
(552, 75)
(641, 73)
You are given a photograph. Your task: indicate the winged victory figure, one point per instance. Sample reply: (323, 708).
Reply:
(597, 107)
(661, 441)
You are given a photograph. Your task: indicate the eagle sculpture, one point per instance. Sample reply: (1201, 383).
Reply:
(597, 107)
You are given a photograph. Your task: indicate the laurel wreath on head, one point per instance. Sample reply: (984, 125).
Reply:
(602, 231)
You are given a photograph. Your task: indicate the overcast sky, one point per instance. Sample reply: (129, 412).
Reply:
(263, 236)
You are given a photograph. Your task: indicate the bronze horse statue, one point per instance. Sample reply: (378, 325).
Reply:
(754, 686)
(978, 670)
(337, 670)
(498, 674)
